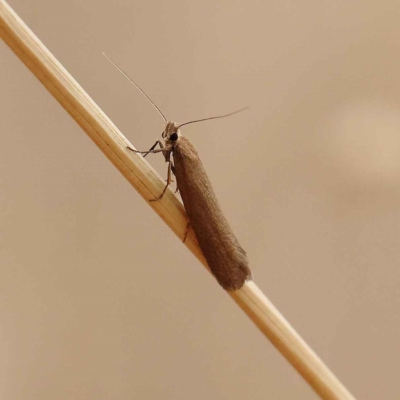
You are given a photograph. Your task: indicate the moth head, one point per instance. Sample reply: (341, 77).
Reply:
(171, 133)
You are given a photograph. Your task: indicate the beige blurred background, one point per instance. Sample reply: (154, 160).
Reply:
(99, 300)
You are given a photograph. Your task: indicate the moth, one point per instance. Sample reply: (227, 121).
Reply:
(225, 257)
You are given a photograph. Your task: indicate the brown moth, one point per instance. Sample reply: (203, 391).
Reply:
(225, 257)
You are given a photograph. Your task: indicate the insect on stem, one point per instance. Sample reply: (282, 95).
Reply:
(225, 257)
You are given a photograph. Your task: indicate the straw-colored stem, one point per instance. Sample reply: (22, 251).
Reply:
(147, 182)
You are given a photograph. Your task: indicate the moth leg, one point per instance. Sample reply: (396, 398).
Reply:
(151, 150)
(186, 232)
(173, 173)
(154, 146)
(145, 152)
(169, 178)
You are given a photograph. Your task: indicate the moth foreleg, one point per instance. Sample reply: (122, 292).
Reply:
(154, 146)
(147, 151)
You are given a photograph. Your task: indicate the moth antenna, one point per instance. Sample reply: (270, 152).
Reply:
(218, 116)
(141, 90)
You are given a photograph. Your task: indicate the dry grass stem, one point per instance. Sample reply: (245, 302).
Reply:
(148, 183)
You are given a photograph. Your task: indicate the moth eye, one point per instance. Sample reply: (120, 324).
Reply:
(174, 137)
